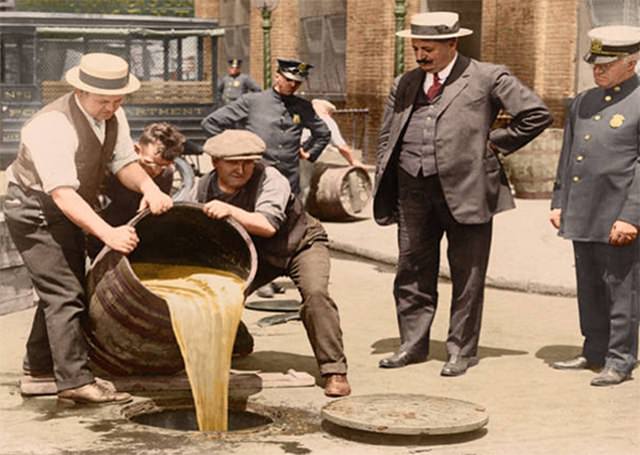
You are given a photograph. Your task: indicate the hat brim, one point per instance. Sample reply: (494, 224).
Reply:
(462, 32)
(238, 158)
(596, 59)
(73, 77)
(293, 77)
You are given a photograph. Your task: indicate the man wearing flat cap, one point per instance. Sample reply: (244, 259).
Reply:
(278, 117)
(288, 240)
(596, 205)
(65, 151)
(235, 83)
(438, 172)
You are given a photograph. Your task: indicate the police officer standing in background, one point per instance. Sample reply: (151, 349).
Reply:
(596, 204)
(278, 117)
(235, 83)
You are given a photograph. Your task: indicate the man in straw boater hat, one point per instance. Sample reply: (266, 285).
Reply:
(438, 171)
(65, 150)
(596, 204)
(288, 240)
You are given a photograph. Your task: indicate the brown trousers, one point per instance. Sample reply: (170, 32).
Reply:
(309, 269)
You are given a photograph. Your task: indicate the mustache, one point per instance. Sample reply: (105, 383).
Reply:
(423, 61)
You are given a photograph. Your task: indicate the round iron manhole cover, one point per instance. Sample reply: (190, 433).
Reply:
(406, 414)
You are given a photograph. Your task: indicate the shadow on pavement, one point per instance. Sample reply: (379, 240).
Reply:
(366, 437)
(438, 349)
(558, 352)
(277, 362)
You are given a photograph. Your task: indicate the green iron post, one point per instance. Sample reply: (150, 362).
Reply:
(400, 13)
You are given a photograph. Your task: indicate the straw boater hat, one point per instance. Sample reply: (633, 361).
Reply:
(434, 26)
(103, 74)
(611, 42)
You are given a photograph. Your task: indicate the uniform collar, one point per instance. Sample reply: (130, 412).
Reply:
(624, 88)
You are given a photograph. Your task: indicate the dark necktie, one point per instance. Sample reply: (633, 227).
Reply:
(434, 90)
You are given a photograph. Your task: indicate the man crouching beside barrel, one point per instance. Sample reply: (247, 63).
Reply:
(288, 240)
(65, 151)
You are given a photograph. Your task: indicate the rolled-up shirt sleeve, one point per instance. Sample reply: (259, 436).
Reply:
(272, 197)
(123, 152)
(52, 143)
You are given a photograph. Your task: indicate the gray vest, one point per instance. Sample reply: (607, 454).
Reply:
(418, 152)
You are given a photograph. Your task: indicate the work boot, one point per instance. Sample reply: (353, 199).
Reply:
(266, 291)
(336, 385)
(94, 393)
(243, 343)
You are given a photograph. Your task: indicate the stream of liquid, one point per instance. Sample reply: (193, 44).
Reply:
(206, 306)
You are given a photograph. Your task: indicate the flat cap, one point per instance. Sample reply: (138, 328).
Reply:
(293, 69)
(235, 145)
(612, 42)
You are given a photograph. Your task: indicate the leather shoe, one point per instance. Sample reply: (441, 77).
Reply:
(94, 393)
(336, 385)
(457, 365)
(400, 359)
(577, 363)
(609, 376)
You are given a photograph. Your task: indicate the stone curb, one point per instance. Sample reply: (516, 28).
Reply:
(530, 287)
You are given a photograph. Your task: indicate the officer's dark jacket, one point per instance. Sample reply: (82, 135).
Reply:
(598, 177)
(279, 121)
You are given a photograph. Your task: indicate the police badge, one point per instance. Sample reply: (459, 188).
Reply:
(616, 121)
(296, 119)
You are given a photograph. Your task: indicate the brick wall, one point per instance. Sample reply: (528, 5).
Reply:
(536, 39)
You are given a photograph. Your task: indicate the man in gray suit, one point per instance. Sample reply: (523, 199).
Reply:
(438, 171)
(596, 204)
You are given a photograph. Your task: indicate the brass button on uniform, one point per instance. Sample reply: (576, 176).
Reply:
(587, 137)
(616, 88)
(576, 178)
(597, 117)
(579, 158)
(607, 98)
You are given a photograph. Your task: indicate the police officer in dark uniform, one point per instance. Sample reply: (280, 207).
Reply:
(278, 117)
(596, 204)
(235, 83)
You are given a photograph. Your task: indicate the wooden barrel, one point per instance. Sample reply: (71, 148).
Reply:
(532, 170)
(129, 328)
(338, 193)
(15, 285)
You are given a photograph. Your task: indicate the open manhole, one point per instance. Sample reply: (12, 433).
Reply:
(185, 420)
(179, 414)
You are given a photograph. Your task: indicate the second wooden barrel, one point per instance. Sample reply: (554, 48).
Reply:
(338, 193)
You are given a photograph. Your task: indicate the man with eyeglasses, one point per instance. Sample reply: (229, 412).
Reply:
(596, 204)
(158, 146)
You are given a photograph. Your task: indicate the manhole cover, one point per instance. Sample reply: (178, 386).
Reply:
(406, 414)
(274, 305)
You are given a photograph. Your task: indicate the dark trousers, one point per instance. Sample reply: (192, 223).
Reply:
(423, 218)
(309, 269)
(52, 249)
(608, 280)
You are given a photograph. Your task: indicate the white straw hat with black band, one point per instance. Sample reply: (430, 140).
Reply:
(103, 74)
(435, 26)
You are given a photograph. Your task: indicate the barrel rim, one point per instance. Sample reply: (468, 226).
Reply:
(196, 205)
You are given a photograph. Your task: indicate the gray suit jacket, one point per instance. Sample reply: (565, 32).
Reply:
(473, 181)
